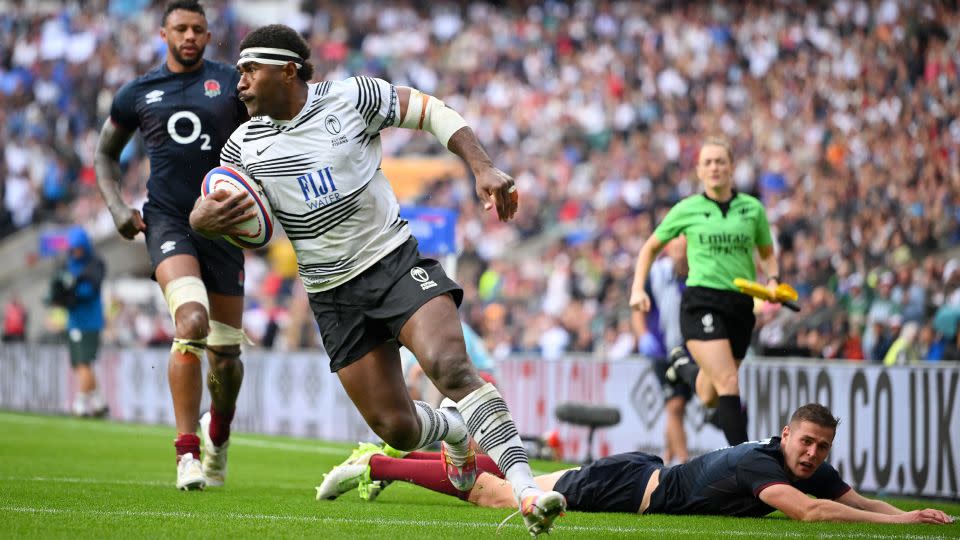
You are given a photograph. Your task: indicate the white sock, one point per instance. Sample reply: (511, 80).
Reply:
(458, 441)
(95, 399)
(489, 422)
(80, 403)
(441, 425)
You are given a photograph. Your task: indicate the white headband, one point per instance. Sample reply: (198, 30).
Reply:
(269, 55)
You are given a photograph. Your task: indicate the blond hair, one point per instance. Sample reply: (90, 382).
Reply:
(723, 142)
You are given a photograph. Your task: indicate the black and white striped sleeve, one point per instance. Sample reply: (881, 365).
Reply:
(375, 100)
(230, 154)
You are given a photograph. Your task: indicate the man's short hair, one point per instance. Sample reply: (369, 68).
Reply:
(817, 414)
(186, 5)
(280, 36)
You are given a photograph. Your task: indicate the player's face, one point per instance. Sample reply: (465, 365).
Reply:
(261, 89)
(805, 447)
(186, 35)
(714, 167)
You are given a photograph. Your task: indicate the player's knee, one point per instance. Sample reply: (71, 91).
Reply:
(187, 299)
(728, 384)
(192, 321)
(455, 376)
(399, 431)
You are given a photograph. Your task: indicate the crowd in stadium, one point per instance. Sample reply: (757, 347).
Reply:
(845, 121)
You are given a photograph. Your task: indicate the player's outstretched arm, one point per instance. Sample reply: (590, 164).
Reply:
(855, 500)
(106, 162)
(494, 187)
(796, 505)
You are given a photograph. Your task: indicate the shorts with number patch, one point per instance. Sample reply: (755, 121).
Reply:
(221, 263)
(370, 309)
(707, 314)
(612, 484)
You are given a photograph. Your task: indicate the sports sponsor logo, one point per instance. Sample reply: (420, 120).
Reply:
(194, 126)
(318, 188)
(264, 149)
(211, 87)
(898, 427)
(168, 246)
(422, 277)
(154, 96)
(332, 123)
(707, 322)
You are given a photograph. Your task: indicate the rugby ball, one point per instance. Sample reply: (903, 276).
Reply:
(233, 181)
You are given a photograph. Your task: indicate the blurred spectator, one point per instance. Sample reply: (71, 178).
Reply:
(76, 287)
(848, 115)
(906, 348)
(14, 321)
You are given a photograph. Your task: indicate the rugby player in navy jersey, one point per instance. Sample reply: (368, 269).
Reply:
(315, 150)
(751, 479)
(186, 109)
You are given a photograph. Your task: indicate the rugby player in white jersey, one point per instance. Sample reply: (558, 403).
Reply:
(315, 150)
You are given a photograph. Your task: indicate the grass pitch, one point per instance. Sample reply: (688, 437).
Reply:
(69, 478)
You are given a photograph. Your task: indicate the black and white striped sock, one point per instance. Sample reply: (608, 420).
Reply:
(440, 425)
(489, 422)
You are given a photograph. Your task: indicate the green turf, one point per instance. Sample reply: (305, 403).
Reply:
(68, 478)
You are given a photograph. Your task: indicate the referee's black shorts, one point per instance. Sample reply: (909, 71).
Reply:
(371, 308)
(612, 484)
(707, 314)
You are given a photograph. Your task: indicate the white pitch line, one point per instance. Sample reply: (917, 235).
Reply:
(163, 483)
(660, 531)
(139, 430)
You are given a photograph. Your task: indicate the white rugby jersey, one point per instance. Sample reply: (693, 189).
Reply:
(321, 173)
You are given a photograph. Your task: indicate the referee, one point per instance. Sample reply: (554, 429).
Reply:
(722, 228)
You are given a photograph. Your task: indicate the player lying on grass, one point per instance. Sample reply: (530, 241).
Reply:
(751, 479)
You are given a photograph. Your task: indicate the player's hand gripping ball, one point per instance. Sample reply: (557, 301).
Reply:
(261, 226)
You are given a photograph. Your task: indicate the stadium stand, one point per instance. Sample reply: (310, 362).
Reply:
(845, 121)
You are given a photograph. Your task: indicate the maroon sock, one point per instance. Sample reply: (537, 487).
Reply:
(484, 462)
(187, 443)
(424, 473)
(220, 425)
(426, 456)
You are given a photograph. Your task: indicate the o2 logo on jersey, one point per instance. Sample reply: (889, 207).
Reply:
(195, 129)
(318, 188)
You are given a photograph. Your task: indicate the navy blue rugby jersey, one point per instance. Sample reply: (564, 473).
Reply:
(728, 482)
(185, 118)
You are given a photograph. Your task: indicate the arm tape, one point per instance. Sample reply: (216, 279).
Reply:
(431, 114)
